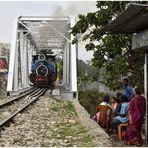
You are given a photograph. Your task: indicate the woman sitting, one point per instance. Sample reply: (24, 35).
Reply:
(116, 106)
(137, 108)
(103, 111)
(118, 95)
(122, 116)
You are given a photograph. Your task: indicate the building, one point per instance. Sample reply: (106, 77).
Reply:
(4, 60)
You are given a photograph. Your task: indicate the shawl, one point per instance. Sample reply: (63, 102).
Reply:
(137, 108)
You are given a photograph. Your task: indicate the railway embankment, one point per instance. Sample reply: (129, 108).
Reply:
(53, 122)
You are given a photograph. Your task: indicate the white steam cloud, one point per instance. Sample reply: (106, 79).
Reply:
(75, 8)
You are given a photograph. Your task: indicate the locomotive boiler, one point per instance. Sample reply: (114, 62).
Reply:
(43, 70)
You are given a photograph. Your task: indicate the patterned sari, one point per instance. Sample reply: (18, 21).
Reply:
(137, 108)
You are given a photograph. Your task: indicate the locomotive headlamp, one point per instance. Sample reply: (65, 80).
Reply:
(42, 70)
(41, 57)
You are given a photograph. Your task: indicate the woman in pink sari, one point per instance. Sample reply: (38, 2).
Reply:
(137, 108)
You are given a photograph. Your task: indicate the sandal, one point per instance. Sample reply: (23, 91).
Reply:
(130, 143)
(125, 142)
(139, 144)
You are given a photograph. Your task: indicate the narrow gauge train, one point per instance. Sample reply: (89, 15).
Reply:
(43, 71)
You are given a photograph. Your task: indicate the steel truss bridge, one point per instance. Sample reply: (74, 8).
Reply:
(33, 34)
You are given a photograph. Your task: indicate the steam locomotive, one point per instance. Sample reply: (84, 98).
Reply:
(43, 71)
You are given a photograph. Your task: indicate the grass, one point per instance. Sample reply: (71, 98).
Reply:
(78, 134)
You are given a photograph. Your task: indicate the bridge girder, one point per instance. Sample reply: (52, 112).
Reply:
(31, 35)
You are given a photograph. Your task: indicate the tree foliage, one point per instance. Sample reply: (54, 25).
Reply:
(111, 51)
(86, 73)
(90, 99)
(60, 68)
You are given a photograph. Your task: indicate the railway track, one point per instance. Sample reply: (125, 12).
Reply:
(11, 108)
(10, 101)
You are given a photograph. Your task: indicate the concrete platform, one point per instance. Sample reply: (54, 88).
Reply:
(55, 93)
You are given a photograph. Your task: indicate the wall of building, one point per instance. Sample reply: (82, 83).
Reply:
(4, 52)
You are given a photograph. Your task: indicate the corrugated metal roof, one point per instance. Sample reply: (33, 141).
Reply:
(134, 19)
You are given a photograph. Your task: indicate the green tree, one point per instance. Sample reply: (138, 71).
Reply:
(90, 99)
(112, 52)
(60, 68)
(86, 73)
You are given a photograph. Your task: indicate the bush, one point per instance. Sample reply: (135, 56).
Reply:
(90, 99)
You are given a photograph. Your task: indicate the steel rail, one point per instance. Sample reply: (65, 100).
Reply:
(17, 98)
(40, 93)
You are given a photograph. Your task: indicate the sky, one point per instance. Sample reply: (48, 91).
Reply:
(11, 9)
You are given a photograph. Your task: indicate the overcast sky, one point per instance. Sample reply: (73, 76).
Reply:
(11, 9)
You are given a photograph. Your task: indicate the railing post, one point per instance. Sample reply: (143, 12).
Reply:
(11, 73)
(73, 56)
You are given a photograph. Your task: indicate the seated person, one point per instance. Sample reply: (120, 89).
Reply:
(122, 116)
(116, 106)
(118, 101)
(118, 94)
(103, 109)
